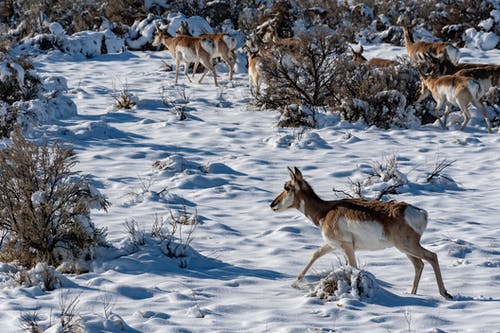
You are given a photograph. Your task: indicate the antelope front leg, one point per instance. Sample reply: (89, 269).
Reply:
(317, 254)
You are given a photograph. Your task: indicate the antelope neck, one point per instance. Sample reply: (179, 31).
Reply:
(314, 208)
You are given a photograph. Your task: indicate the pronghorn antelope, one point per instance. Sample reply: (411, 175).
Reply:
(188, 49)
(417, 51)
(267, 34)
(255, 74)
(377, 62)
(454, 90)
(291, 44)
(446, 67)
(356, 224)
(487, 76)
(224, 45)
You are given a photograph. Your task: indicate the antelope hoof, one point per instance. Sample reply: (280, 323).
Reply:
(447, 296)
(295, 284)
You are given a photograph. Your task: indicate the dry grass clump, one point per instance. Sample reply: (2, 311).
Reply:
(345, 282)
(175, 234)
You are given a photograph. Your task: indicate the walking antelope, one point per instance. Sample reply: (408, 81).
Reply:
(378, 62)
(356, 224)
(487, 76)
(446, 67)
(188, 49)
(418, 50)
(454, 90)
(224, 45)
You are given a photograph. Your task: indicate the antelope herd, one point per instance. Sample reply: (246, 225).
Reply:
(188, 50)
(450, 82)
(197, 49)
(351, 224)
(442, 75)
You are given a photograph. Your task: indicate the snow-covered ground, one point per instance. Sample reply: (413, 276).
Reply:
(226, 162)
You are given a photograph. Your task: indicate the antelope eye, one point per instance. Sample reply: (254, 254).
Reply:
(287, 187)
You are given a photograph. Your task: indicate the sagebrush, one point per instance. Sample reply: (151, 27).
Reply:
(45, 206)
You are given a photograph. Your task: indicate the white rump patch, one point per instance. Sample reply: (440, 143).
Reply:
(230, 41)
(416, 218)
(302, 207)
(208, 45)
(474, 86)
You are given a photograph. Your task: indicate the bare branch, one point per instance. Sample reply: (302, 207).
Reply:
(439, 167)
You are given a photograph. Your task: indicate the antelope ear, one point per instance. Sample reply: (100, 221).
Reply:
(291, 173)
(298, 174)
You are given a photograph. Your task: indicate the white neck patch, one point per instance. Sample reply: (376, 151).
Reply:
(302, 207)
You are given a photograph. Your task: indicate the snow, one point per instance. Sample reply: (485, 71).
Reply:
(56, 28)
(197, 24)
(481, 40)
(225, 163)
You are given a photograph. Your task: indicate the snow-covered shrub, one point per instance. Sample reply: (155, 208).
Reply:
(480, 39)
(141, 33)
(378, 180)
(8, 118)
(380, 96)
(18, 80)
(30, 321)
(42, 110)
(302, 74)
(43, 100)
(26, 99)
(86, 43)
(175, 163)
(385, 177)
(44, 276)
(45, 207)
(34, 17)
(296, 116)
(345, 282)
